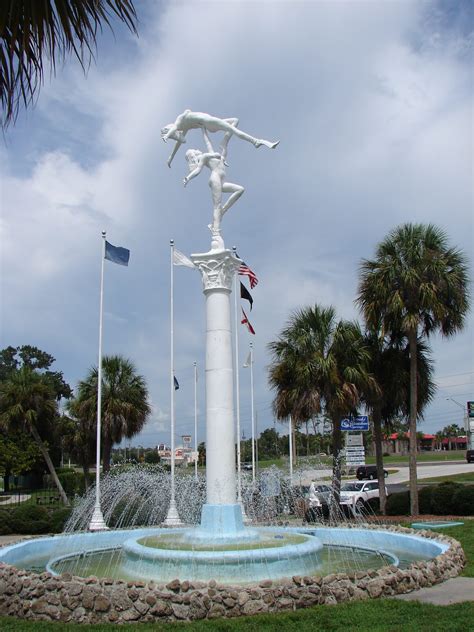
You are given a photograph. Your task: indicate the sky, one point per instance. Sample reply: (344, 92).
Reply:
(372, 104)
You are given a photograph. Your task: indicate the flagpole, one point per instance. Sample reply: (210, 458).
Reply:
(195, 423)
(253, 412)
(290, 447)
(97, 522)
(172, 519)
(237, 387)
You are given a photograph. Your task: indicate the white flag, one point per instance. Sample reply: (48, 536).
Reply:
(247, 362)
(181, 260)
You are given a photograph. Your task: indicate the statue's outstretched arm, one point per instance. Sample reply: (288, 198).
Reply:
(207, 140)
(173, 153)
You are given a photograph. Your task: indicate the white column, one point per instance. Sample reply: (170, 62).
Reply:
(195, 423)
(217, 269)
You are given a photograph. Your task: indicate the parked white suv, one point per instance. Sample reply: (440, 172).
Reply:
(355, 495)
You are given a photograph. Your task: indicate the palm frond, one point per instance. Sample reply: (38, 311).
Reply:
(35, 34)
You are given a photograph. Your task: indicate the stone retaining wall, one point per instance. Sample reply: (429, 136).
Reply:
(28, 595)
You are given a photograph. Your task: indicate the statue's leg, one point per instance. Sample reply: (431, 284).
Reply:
(216, 192)
(236, 191)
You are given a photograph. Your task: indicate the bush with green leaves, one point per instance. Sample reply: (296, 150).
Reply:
(72, 481)
(28, 519)
(445, 499)
(464, 500)
(398, 504)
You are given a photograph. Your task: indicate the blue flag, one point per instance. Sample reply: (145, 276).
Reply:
(116, 254)
(176, 384)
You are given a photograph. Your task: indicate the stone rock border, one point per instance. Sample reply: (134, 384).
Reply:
(66, 598)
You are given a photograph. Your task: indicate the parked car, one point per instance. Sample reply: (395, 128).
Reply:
(246, 467)
(470, 456)
(356, 495)
(368, 472)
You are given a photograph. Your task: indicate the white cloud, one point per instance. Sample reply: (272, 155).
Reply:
(374, 122)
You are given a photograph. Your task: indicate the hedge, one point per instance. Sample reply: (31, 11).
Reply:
(445, 499)
(29, 519)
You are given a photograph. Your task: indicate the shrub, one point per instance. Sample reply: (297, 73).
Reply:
(442, 499)
(5, 528)
(57, 518)
(29, 519)
(398, 504)
(425, 499)
(373, 505)
(463, 500)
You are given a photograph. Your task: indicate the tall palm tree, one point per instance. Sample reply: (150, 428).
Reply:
(389, 364)
(320, 362)
(27, 402)
(416, 285)
(39, 33)
(125, 406)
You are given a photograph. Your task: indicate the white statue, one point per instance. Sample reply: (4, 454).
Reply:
(195, 120)
(216, 163)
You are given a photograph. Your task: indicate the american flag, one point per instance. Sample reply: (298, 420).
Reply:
(245, 321)
(244, 270)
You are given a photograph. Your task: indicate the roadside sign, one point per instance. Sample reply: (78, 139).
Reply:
(470, 410)
(354, 440)
(355, 423)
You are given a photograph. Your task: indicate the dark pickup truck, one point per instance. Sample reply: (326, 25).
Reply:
(470, 456)
(368, 472)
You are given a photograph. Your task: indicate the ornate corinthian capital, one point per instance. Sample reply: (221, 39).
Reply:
(217, 269)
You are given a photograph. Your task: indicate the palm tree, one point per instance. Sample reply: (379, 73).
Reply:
(27, 401)
(33, 31)
(390, 365)
(125, 406)
(319, 362)
(416, 285)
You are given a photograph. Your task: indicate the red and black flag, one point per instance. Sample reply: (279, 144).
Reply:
(244, 293)
(245, 321)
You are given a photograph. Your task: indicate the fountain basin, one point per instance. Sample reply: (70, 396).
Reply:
(271, 555)
(204, 561)
(25, 590)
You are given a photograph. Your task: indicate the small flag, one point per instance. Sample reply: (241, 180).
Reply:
(179, 259)
(116, 254)
(248, 361)
(176, 383)
(245, 321)
(244, 270)
(244, 293)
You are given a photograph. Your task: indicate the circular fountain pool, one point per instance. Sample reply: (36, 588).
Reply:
(163, 554)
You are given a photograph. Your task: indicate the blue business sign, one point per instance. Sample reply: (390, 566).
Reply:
(355, 423)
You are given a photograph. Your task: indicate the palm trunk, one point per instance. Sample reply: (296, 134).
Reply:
(414, 509)
(49, 463)
(377, 419)
(106, 452)
(336, 468)
(6, 481)
(85, 469)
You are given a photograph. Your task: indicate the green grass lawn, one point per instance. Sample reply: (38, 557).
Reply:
(444, 455)
(374, 616)
(464, 477)
(368, 616)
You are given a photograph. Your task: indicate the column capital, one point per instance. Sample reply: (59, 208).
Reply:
(217, 269)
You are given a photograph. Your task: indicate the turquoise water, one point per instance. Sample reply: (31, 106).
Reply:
(334, 559)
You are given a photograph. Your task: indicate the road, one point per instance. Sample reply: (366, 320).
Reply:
(424, 470)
